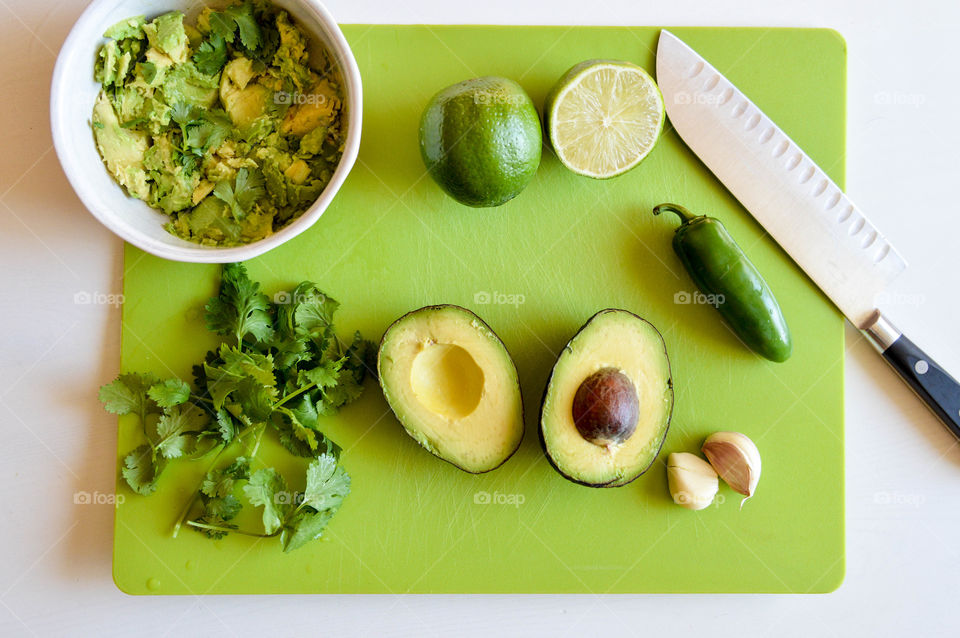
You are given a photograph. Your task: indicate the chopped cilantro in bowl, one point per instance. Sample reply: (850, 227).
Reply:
(224, 126)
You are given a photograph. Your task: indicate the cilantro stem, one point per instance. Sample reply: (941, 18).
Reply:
(305, 388)
(196, 493)
(229, 530)
(256, 445)
(199, 398)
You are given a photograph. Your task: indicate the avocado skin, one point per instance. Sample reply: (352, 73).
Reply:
(485, 325)
(666, 430)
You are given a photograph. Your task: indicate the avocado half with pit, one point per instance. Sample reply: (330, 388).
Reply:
(453, 386)
(607, 405)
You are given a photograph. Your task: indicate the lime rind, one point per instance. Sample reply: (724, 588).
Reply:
(636, 141)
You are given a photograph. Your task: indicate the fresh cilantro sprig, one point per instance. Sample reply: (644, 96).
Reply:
(296, 517)
(211, 55)
(240, 196)
(171, 426)
(235, 19)
(200, 130)
(280, 368)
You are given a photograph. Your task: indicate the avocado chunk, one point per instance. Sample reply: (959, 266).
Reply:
(167, 35)
(453, 386)
(122, 149)
(608, 402)
(244, 100)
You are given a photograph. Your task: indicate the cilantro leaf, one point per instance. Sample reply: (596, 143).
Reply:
(247, 188)
(169, 393)
(314, 316)
(247, 24)
(177, 429)
(183, 113)
(224, 508)
(305, 527)
(256, 399)
(220, 383)
(210, 131)
(301, 431)
(218, 512)
(304, 411)
(257, 366)
(267, 489)
(224, 192)
(127, 394)
(240, 309)
(222, 25)
(295, 445)
(327, 484)
(325, 375)
(334, 398)
(211, 56)
(220, 483)
(140, 471)
(290, 351)
(225, 426)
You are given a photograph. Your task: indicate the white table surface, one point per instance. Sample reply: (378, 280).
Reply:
(903, 468)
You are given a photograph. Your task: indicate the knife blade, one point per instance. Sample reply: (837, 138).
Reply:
(798, 204)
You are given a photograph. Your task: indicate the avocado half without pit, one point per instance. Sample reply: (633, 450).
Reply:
(453, 386)
(608, 402)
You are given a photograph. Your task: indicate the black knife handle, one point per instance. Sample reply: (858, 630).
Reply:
(926, 378)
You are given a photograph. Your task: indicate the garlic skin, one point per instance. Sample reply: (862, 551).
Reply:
(693, 482)
(736, 459)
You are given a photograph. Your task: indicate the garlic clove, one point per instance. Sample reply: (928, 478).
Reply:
(736, 459)
(693, 482)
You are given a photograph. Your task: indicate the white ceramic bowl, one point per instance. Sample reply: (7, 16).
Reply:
(73, 94)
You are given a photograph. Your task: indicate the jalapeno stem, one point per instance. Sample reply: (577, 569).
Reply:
(685, 216)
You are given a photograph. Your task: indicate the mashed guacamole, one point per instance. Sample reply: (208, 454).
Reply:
(223, 126)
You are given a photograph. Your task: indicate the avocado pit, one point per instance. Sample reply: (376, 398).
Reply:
(606, 408)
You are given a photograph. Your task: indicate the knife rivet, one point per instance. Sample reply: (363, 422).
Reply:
(921, 366)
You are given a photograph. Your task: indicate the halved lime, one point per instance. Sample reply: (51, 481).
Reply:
(603, 117)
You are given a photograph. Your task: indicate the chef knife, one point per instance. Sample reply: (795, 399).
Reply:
(800, 207)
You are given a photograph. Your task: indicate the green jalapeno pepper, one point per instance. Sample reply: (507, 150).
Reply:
(732, 283)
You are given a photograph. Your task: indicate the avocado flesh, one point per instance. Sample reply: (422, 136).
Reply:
(122, 149)
(243, 101)
(610, 339)
(453, 386)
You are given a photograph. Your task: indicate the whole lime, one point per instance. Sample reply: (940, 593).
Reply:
(481, 140)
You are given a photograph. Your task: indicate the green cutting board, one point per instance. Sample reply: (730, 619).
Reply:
(535, 269)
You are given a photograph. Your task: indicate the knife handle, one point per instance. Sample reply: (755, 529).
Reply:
(926, 378)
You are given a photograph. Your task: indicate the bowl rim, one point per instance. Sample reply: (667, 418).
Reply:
(353, 98)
